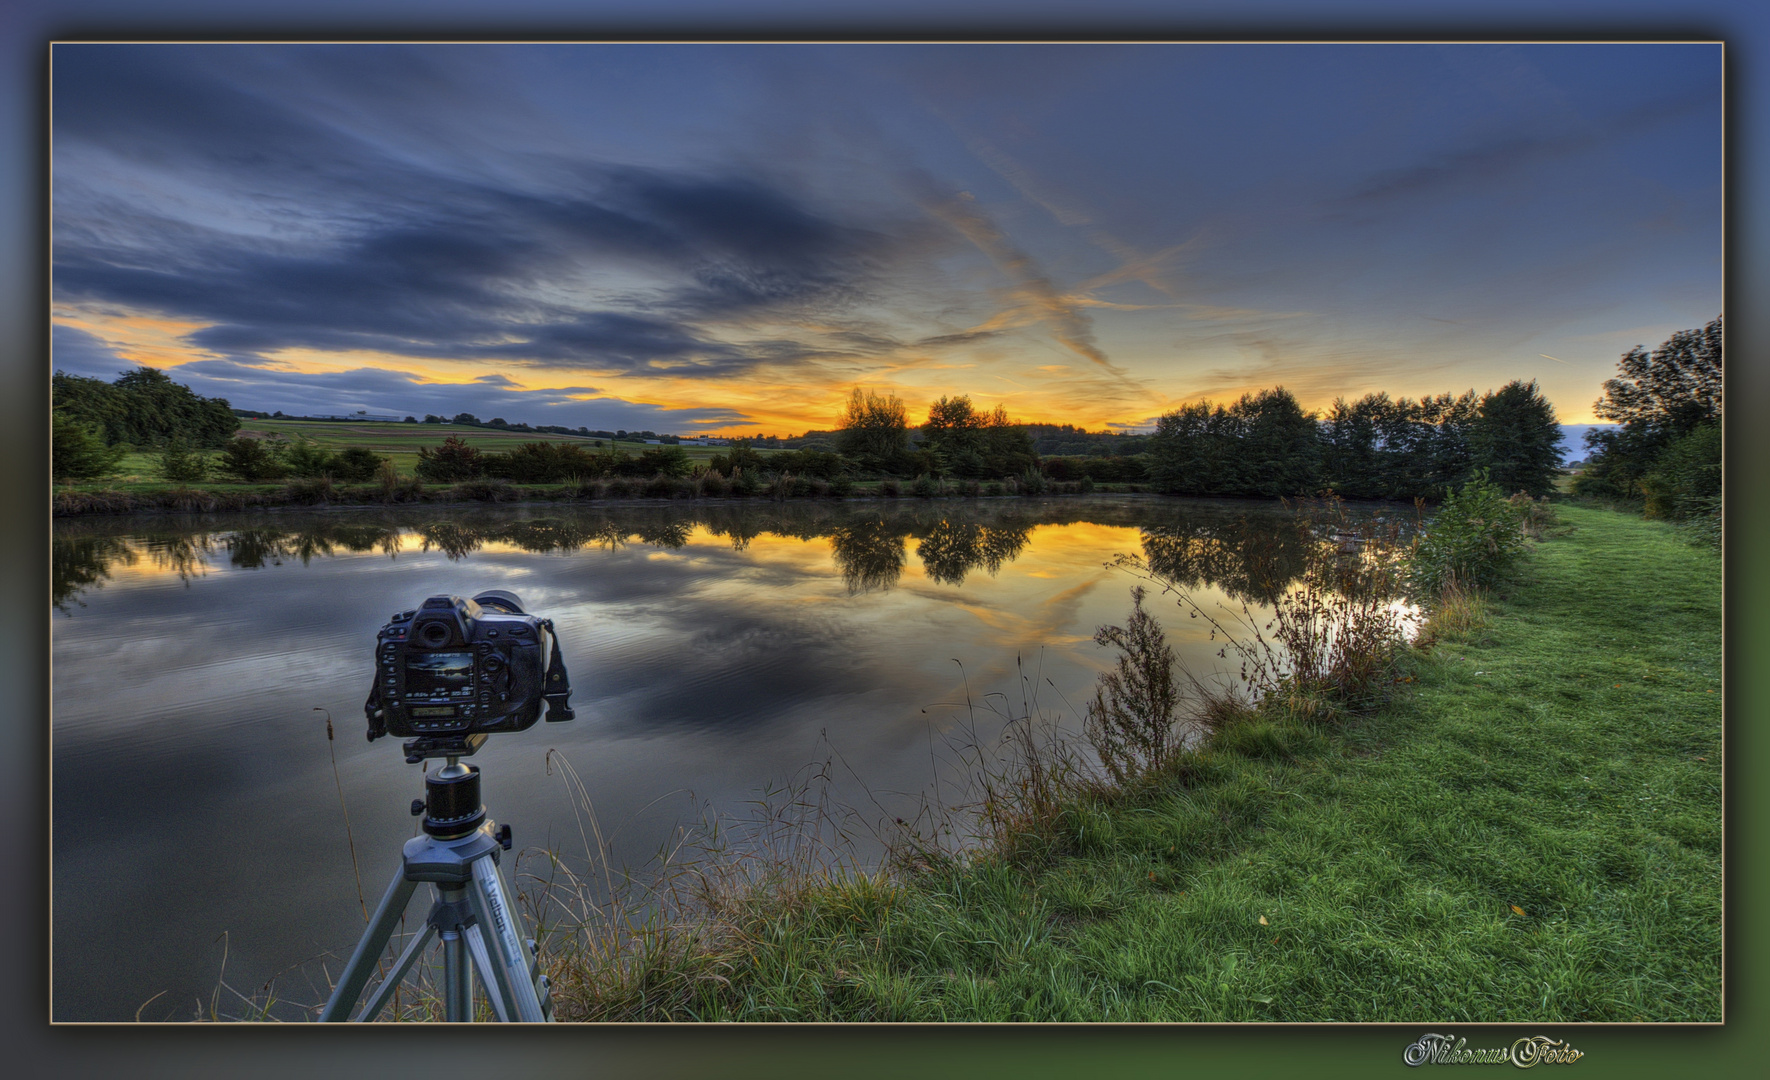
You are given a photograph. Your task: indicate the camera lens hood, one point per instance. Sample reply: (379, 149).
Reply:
(500, 600)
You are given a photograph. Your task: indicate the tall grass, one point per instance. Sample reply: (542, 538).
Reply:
(1330, 639)
(626, 943)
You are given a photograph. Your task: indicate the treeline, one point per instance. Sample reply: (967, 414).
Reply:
(546, 462)
(465, 419)
(93, 422)
(1067, 440)
(1373, 448)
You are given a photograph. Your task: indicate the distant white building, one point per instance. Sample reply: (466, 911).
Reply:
(360, 414)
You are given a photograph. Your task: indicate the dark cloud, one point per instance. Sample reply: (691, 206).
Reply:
(79, 353)
(1488, 161)
(349, 243)
(272, 387)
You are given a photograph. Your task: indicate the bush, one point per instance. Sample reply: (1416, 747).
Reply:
(250, 460)
(924, 487)
(356, 465)
(453, 460)
(394, 488)
(543, 463)
(1130, 723)
(304, 458)
(180, 464)
(668, 460)
(1471, 543)
(310, 490)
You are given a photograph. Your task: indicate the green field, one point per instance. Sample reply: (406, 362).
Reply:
(1531, 833)
(396, 441)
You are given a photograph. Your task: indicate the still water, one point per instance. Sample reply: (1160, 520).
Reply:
(204, 824)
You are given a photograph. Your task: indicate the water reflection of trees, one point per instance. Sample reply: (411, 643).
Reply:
(870, 553)
(1257, 556)
(1251, 552)
(1253, 559)
(84, 563)
(954, 547)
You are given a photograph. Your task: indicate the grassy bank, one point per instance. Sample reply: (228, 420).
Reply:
(1530, 830)
(141, 497)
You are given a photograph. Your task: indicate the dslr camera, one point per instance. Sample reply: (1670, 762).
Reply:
(452, 669)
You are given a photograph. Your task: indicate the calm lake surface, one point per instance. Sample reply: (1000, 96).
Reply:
(715, 649)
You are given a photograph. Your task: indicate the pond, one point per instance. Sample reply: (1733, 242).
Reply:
(208, 832)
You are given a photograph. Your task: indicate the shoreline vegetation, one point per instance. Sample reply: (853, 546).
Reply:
(321, 493)
(1513, 816)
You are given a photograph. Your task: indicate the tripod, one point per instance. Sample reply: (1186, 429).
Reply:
(472, 913)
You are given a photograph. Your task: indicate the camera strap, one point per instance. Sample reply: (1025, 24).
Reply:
(372, 709)
(559, 684)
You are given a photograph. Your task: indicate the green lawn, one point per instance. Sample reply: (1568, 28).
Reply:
(1531, 833)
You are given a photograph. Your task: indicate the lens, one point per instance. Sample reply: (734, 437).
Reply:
(434, 633)
(500, 600)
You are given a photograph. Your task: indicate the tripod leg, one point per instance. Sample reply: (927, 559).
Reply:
(509, 960)
(488, 973)
(379, 997)
(368, 950)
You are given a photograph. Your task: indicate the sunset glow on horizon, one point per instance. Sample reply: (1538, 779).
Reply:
(726, 239)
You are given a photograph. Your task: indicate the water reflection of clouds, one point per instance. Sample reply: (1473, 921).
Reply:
(712, 648)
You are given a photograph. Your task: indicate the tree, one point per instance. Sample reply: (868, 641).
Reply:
(145, 407)
(1660, 397)
(1445, 427)
(78, 451)
(1685, 480)
(1516, 438)
(1350, 446)
(950, 435)
(1193, 451)
(873, 430)
(964, 442)
(1279, 446)
(1670, 390)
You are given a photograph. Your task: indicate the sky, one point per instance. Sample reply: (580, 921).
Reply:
(727, 239)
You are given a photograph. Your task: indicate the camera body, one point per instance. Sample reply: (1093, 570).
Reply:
(452, 668)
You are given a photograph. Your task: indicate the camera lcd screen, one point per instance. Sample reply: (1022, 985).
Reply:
(439, 674)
